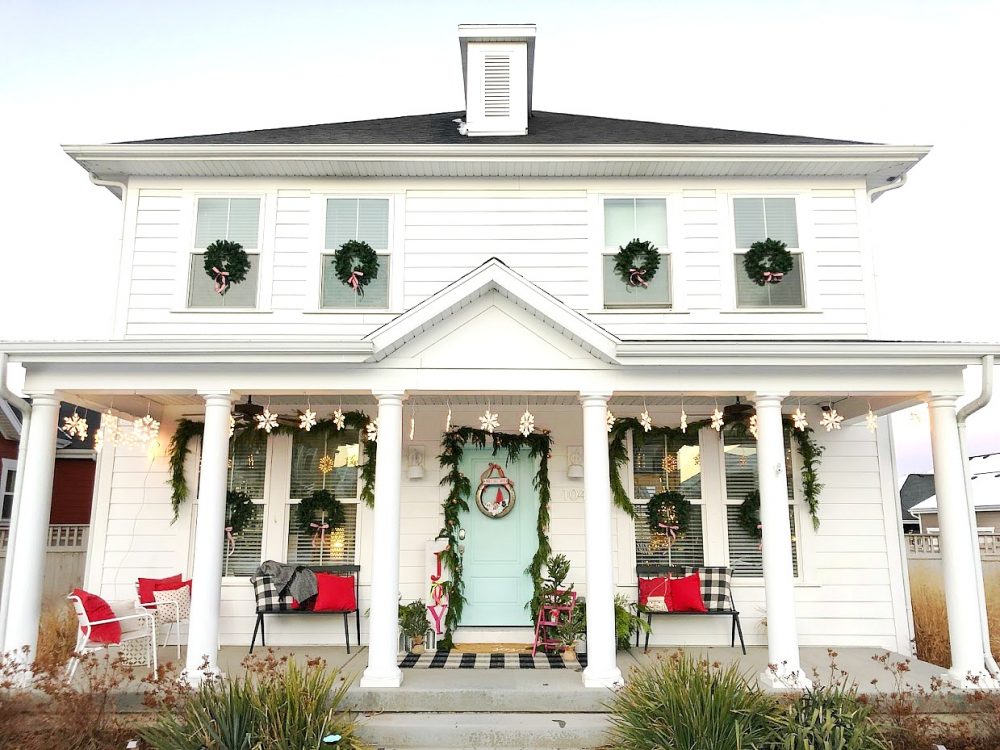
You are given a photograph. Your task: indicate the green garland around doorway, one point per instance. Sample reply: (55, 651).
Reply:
(539, 445)
(248, 437)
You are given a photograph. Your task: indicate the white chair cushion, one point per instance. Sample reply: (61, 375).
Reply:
(179, 598)
(127, 607)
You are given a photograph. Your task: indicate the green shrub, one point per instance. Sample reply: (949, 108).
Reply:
(828, 718)
(628, 622)
(686, 704)
(287, 709)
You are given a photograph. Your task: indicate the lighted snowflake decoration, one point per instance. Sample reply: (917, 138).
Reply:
(645, 421)
(684, 420)
(611, 420)
(871, 420)
(670, 463)
(266, 421)
(371, 429)
(527, 424)
(98, 440)
(307, 419)
(490, 420)
(831, 420)
(717, 422)
(75, 426)
(752, 426)
(146, 430)
(799, 419)
(339, 419)
(232, 425)
(325, 464)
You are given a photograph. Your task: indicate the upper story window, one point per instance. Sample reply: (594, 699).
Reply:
(626, 219)
(8, 475)
(755, 220)
(236, 220)
(363, 219)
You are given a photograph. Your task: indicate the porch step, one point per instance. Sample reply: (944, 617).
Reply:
(473, 731)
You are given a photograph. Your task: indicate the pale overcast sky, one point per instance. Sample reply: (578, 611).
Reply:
(892, 72)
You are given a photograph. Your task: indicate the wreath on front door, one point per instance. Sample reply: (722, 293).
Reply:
(356, 265)
(767, 262)
(636, 263)
(226, 263)
(495, 505)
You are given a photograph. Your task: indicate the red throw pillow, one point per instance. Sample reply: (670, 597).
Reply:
(148, 585)
(685, 594)
(98, 609)
(654, 587)
(336, 593)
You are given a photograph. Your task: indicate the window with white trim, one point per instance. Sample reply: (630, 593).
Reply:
(8, 476)
(365, 220)
(740, 455)
(313, 545)
(236, 220)
(626, 219)
(658, 466)
(755, 220)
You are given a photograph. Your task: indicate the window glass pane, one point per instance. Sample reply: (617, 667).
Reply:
(619, 294)
(619, 221)
(652, 549)
(247, 468)
(651, 220)
(235, 219)
(338, 294)
(365, 219)
(213, 220)
(373, 222)
(779, 215)
(756, 219)
(661, 465)
(201, 287)
(9, 481)
(786, 293)
(748, 216)
(306, 547)
(244, 221)
(242, 553)
(308, 448)
(740, 453)
(744, 549)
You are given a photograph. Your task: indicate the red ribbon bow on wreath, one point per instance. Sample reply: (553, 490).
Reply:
(319, 533)
(773, 277)
(354, 281)
(635, 277)
(230, 541)
(221, 282)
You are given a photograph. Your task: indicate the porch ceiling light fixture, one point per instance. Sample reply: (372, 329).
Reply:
(574, 461)
(415, 462)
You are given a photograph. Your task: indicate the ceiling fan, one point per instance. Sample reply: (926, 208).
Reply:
(737, 412)
(246, 411)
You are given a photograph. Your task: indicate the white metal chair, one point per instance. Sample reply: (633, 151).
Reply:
(164, 613)
(146, 629)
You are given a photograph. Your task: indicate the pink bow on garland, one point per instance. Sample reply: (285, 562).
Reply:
(773, 277)
(635, 277)
(354, 281)
(230, 541)
(319, 533)
(760, 545)
(221, 282)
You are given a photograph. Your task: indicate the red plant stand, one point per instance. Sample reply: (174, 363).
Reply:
(553, 613)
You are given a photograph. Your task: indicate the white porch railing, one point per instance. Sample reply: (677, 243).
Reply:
(62, 538)
(928, 546)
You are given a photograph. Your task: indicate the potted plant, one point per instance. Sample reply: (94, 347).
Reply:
(413, 623)
(572, 630)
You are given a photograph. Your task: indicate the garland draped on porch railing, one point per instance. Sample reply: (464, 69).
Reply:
(539, 445)
(808, 448)
(247, 436)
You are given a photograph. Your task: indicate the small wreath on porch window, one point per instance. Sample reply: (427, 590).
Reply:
(636, 263)
(767, 262)
(669, 514)
(356, 265)
(321, 503)
(749, 515)
(239, 511)
(226, 263)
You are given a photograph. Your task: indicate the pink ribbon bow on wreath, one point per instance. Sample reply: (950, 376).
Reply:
(635, 277)
(760, 545)
(319, 533)
(230, 541)
(773, 277)
(670, 530)
(354, 281)
(221, 282)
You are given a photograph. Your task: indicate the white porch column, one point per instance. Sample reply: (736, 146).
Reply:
(784, 669)
(206, 594)
(968, 661)
(383, 622)
(602, 669)
(27, 559)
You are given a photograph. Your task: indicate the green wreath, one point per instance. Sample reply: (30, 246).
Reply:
(767, 262)
(669, 508)
(226, 263)
(749, 517)
(321, 501)
(636, 263)
(239, 511)
(356, 264)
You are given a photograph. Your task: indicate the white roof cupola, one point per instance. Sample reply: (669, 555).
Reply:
(497, 65)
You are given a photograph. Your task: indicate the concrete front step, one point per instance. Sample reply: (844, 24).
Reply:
(472, 731)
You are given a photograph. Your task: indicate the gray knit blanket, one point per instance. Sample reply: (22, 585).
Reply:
(290, 580)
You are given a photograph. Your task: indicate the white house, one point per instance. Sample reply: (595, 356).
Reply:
(496, 231)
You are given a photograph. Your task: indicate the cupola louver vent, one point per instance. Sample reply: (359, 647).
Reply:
(497, 64)
(496, 86)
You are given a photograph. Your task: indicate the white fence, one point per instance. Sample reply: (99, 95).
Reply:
(928, 546)
(66, 554)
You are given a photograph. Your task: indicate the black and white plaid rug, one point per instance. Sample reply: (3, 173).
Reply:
(461, 660)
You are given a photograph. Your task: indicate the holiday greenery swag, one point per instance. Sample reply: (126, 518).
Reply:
(669, 513)
(239, 511)
(226, 263)
(246, 437)
(356, 264)
(321, 504)
(636, 263)
(539, 445)
(767, 262)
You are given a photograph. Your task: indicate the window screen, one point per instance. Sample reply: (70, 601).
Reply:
(201, 288)
(338, 294)
(364, 219)
(757, 219)
(234, 219)
(626, 219)
(619, 294)
(787, 293)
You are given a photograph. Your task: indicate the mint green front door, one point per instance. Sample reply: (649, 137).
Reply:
(497, 550)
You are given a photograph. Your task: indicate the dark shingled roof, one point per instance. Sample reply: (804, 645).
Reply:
(543, 128)
(916, 489)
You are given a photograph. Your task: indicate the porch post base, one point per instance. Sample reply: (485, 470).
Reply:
(387, 680)
(981, 680)
(608, 680)
(784, 679)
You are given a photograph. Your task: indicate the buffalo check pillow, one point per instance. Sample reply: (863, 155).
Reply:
(715, 583)
(267, 597)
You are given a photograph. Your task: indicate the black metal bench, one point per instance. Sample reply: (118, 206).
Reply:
(269, 603)
(715, 590)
